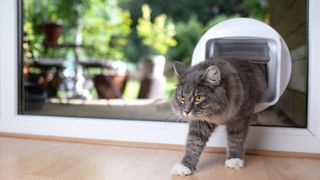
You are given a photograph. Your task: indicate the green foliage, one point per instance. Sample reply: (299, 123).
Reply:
(105, 31)
(182, 10)
(171, 84)
(65, 12)
(52, 11)
(34, 39)
(188, 34)
(256, 9)
(158, 34)
(111, 32)
(103, 24)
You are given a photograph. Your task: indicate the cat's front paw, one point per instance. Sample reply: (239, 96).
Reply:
(181, 170)
(234, 163)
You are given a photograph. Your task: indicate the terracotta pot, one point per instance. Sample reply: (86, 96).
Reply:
(110, 86)
(52, 33)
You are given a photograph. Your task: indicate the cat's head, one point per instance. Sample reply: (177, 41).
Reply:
(200, 94)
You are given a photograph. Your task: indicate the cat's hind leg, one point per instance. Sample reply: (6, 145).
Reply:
(237, 133)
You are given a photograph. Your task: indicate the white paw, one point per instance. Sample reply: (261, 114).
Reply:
(180, 170)
(234, 163)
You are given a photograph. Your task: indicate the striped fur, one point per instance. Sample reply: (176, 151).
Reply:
(231, 92)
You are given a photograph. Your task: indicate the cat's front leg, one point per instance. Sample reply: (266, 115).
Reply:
(198, 135)
(237, 133)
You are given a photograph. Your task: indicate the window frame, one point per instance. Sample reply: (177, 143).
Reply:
(264, 138)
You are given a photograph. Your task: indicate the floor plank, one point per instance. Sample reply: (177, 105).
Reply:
(44, 160)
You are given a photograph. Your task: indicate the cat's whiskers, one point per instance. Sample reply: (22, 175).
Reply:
(168, 115)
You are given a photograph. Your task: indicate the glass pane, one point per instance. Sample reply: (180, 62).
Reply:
(113, 58)
(289, 18)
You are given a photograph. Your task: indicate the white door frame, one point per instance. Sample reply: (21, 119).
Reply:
(266, 138)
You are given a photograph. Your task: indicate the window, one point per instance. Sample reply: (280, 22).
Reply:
(106, 59)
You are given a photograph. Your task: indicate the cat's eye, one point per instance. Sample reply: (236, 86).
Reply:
(199, 98)
(181, 98)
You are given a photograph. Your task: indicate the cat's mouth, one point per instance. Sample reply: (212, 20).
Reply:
(199, 116)
(191, 116)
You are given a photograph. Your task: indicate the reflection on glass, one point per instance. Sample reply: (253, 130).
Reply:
(112, 58)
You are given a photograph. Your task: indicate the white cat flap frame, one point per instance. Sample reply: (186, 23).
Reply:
(252, 39)
(266, 138)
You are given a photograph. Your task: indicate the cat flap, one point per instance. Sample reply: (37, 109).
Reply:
(250, 39)
(256, 50)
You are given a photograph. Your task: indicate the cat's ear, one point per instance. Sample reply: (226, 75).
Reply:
(179, 68)
(212, 75)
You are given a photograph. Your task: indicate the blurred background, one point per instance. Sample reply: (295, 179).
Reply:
(113, 58)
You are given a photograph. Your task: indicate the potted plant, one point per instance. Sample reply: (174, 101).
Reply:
(52, 32)
(51, 17)
(158, 35)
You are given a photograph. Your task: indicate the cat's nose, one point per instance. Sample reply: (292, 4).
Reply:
(187, 108)
(186, 113)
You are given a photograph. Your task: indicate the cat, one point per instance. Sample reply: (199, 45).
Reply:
(214, 92)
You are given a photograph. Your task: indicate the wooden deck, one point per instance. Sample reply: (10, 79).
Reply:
(148, 110)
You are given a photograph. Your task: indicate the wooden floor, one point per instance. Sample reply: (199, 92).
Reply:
(35, 159)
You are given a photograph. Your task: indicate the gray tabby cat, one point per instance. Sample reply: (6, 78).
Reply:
(220, 91)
